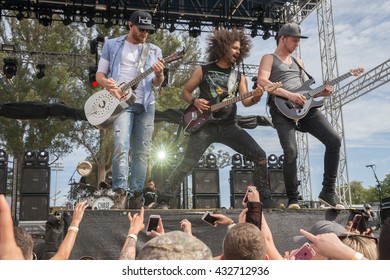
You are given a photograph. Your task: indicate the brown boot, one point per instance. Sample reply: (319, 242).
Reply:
(120, 200)
(136, 201)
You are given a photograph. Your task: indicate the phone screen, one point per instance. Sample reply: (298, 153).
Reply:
(209, 219)
(356, 221)
(153, 223)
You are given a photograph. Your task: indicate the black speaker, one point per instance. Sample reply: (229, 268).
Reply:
(385, 213)
(160, 176)
(34, 208)
(240, 179)
(203, 201)
(280, 199)
(205, 181)
(236, 201)
(3, 179)
(386, 199)
(35, 180)
(276, 181)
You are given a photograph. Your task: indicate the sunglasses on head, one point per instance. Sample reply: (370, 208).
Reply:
(346, 235)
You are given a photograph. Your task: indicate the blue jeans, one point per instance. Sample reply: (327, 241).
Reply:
(317, 125)
(133, 129)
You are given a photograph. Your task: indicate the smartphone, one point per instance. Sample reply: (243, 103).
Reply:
(152, 223)
(209, 219)
(306, 252)
(356, 221)
(245, 199)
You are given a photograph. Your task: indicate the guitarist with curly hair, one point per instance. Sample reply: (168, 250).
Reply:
(220, 85)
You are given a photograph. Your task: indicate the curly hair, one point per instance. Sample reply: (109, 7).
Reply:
(220, 41)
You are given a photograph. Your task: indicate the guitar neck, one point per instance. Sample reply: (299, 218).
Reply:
(137, 79)
(236, 99)
(331, 83)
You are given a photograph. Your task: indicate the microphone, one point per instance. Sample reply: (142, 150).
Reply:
(370, 165)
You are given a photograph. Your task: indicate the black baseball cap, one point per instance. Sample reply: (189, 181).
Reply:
(291, 29)
(142, 19)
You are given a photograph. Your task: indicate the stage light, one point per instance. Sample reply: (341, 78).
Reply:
(254, 32)
(30, 158)
(248, 164)
(172, 28)
(161, 155)
(92, 76)
(19, 15)
(41, 71)
(194, 29)
(281, 161)
(10, 67)
(43, 158)
(273, 161)
(67, 20)
(201, 162)
(211, 161)
(45, 19)
(90, 22)
(237, 161)
(3, 157)
(266, 35)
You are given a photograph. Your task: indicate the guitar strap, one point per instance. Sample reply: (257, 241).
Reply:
(142, 61)
(302, 69)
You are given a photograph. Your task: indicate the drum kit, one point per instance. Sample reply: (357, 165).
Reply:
(99, 198)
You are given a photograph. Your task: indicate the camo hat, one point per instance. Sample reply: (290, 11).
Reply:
(175, 245)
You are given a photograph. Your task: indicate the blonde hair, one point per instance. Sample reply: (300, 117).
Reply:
(362, 244)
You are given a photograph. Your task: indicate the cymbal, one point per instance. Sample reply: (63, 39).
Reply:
(84, 168)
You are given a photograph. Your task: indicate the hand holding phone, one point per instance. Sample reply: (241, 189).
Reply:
(209, 219)
(306, 252)
(152, 223)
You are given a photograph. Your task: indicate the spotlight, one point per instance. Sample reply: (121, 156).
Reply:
(45, 19)
(30, 158)
(41, 71)
(266, 35)
(248, 164)
(43, 158)
(3, 157)
(201, 162)
(211, 161)
(273, 161)
(67, 20)
(90, 22)
(236, 161)
(172, 28)
(254, 32)
(20, 15)
(194, 29)
(281, 161)
(10, 67)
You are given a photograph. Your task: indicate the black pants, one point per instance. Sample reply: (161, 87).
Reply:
(231, 135)
(317, 125)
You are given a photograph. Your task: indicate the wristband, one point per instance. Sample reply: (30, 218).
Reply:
(133, 236)
(72, 228)
(357, 256)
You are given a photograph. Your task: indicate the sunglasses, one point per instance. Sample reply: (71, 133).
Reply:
(141, 29)
(344, 235)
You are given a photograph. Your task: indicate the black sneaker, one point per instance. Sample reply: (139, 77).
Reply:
(293, 204)
(330, 199)
(136, 202)
(120, 200)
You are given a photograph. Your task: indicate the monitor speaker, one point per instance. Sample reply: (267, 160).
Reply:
(34, 208)
(276, 181)
(203, 201)
(240, 179)
(3, 179)
(205, 181)
(35, 180)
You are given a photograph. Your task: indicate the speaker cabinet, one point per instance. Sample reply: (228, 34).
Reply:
(240, 179)
(279, 199)
(236, 201)
(386, 199)
(35, 180)
(3, 179)
(203, 201)
(385, 213)
(205, 181)
(276, 181)
(34, 208)
(160, 176)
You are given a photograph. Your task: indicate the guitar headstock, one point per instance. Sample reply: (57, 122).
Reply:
(175, 56)
(273, 86)
(356, 71)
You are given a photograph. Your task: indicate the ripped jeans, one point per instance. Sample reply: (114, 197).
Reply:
(133, 129)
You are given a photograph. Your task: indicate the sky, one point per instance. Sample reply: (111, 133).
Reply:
(362, 40)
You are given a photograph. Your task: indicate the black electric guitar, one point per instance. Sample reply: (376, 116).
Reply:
(193, 119)
(296, 112)
(102, 108)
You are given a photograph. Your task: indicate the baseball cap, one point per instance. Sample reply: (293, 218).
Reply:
(142, 20)
(367, 206)
(175, 245)
(321, 227)
(291, 29)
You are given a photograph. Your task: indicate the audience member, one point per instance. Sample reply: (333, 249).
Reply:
(25, 242)
(175, 245)
(384, 241)
(128, 251)
(363, 244)
(150, 194)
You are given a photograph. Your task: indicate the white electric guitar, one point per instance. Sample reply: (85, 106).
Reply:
(102, 108)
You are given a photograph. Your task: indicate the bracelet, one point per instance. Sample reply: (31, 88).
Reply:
(253, 100)
(231, 225)
(72, 228)
(357, 256)
(133, 236)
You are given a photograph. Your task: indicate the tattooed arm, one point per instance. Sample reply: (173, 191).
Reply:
(128, 251)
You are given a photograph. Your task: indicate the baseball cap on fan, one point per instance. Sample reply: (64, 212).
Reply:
(291, 29)
(142, 19)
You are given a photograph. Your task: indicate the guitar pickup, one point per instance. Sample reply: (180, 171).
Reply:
(289, 104)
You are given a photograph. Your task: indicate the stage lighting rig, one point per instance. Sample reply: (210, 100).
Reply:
(10, 67)
(41, 71)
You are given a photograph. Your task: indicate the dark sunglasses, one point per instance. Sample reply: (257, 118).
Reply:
(346, 235)
(141, 29)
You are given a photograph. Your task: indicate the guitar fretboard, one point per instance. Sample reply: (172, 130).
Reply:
(236, 99)
(332, 83)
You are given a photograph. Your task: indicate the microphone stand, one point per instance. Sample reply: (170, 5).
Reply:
(378, 185)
